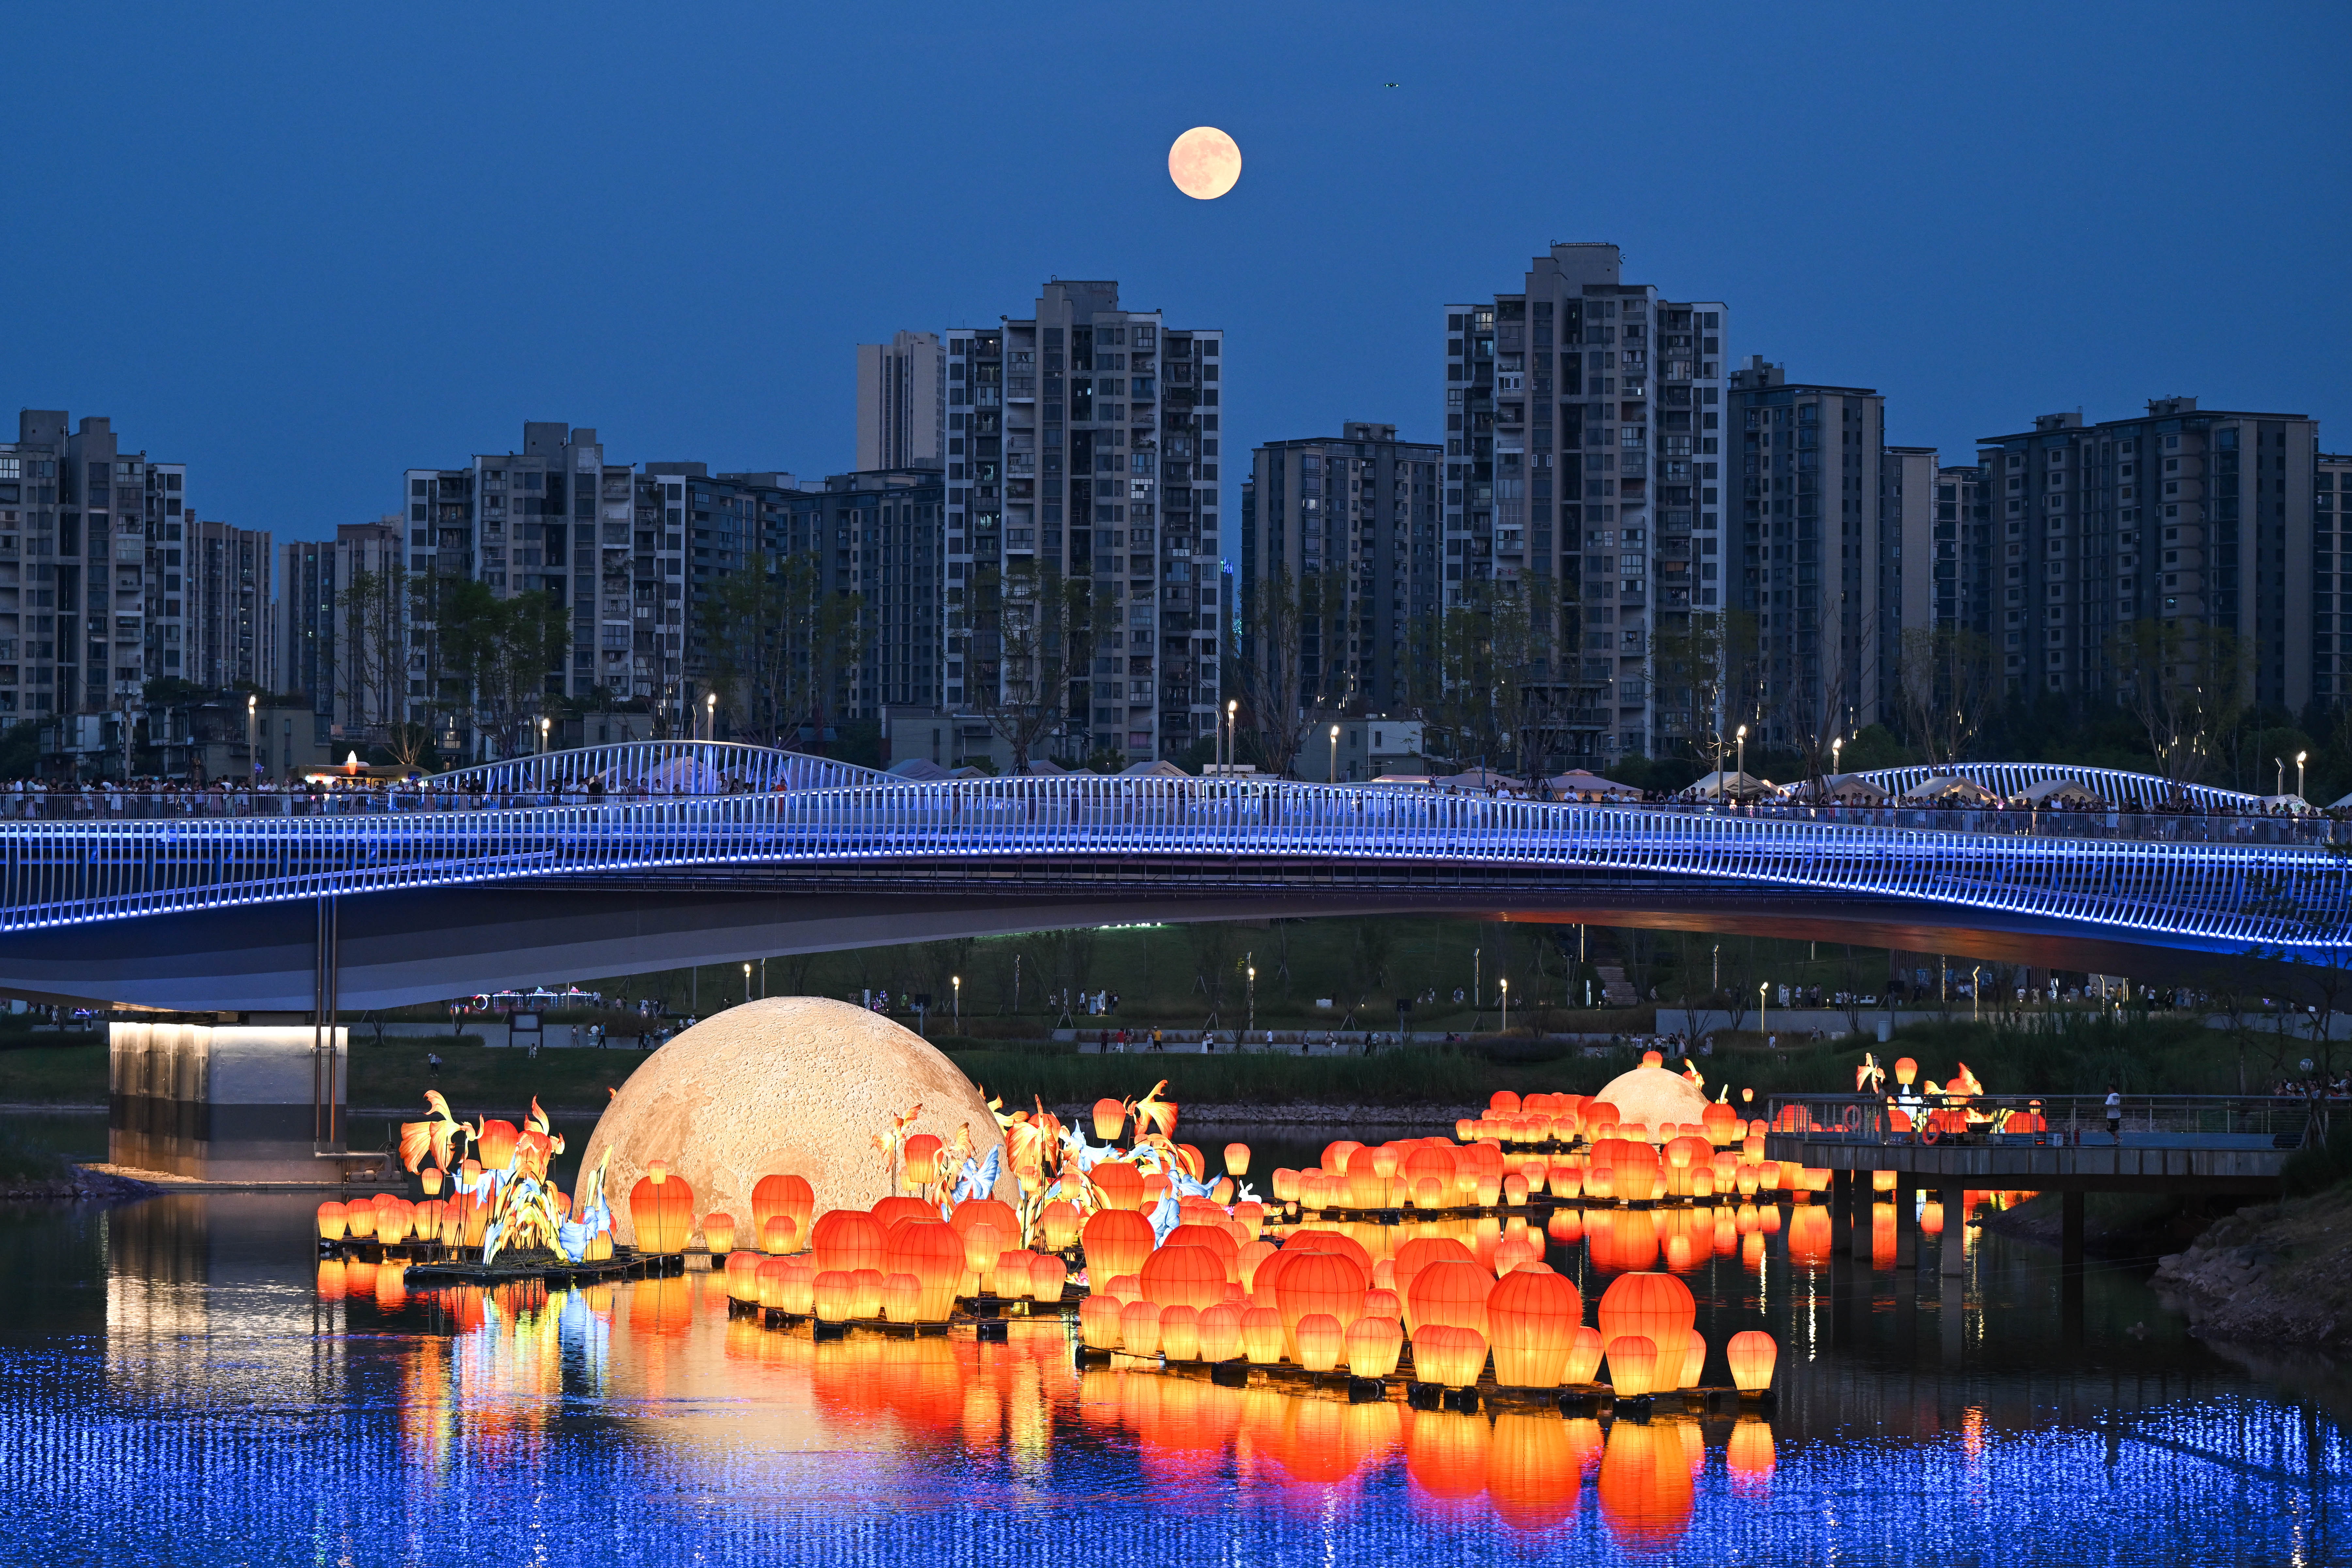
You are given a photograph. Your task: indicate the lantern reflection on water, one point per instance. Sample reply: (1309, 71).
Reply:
(1645, 1490)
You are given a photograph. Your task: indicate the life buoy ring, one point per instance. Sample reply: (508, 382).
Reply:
(1929, 1133)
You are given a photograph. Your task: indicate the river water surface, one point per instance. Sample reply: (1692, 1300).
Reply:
(181, 1383)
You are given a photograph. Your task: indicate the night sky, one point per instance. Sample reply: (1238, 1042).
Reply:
(301, 247)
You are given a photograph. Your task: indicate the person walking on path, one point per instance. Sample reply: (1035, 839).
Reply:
(433, 1064)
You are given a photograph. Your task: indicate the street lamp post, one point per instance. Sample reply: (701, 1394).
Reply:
(747, 984)
(710, 717)
(1836, 746)
(2279, 787)
(1739, 768)
(1233, 733)
(1253, 997)
(1335, 753)
(1506, 1004)
(955, 984)
(253, 733)
(2299, 759)
(1763, 1006)
(542, 734)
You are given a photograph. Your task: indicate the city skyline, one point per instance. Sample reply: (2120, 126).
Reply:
(2001, 245)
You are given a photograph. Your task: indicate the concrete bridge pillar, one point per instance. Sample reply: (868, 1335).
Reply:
(1906, 1221)
(1952, 1256)
(221, 1104)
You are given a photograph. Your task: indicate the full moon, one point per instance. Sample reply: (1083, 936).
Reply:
(1204, 163)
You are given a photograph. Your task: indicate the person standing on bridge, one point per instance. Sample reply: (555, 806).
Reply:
(2115, 1113)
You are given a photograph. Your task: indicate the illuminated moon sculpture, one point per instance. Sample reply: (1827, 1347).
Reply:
(1204, 163)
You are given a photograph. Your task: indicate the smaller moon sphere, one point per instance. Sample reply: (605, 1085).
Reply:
(1204, 163)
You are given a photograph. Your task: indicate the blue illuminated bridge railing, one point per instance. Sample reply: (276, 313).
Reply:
(2205, 878)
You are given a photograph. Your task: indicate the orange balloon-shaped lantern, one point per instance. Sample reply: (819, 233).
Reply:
(1059, 1220)
(1374, 1345)
(1237, 1158)
(1532, 1321)
(1654, 1307)
(1183, 1276)
(661, 1207)
(330, 1221)
(1261, 1335)
(847, 1239)
(923, 1159)
(1138, 1328)
(932, 1253)
(1117, 1241)
(1320, 1341)
(788, 1195)
(1633, 1366)
(1450, 1291)
(1111, 1118)
(1752, 1353)
(718, 1234)
(1220, 1329)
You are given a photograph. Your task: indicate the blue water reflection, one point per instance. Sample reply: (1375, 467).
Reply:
(181, 1382)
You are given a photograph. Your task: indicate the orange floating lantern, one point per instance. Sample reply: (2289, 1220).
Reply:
(1632, 1366)
(1111, 1118)
(1752, 1353)
(902, 1299)
(1320, 1341)
(836, 1292)
(496, 1146)
(1262, 1336)
(1448, 1355)
(1584, 1353)
(1452, 1291)
(778, 1236)
(1180, 1333)
(923, 1159)
(718, 1234)
(330, 1221)
(1532, 1321)
(1124, 1287)
(661, 1207)
(865, 1293)
(983, 1244)
(1059, 1220)
(1220, 1333)
(1098, 1323)
(1183, 1276)
(1319, 1284)
(742, 1278)
(1122, 1185)
(1047, 1274)
(1906, 1072)
(848, 1239)
(1237, 1159)
(1138, 1328)
(1117, 1241)
(431, 1177)
(893, 1210)
(1374, 1345)
(784, 1195)
(1657, 1308)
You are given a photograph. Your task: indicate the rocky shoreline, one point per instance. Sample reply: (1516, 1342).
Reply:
(82, 1186)
(2279, 1274)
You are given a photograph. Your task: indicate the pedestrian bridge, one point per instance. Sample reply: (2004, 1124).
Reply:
(620, 858)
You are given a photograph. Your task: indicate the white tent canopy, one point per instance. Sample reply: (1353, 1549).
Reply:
(1480, 778)
(1737, 785)
(2052, 795)
(1842, 789)
(921, 770)
(1162, 769)
(2294, 803)
(1578, 781)
(1949, 786)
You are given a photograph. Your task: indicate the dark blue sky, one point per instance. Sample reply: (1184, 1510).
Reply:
(303, 247)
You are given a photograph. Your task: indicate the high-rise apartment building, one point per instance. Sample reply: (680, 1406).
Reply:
(1582, 432)
(881, 536)
(1350, 523)
(651, 644)
(2331, 546)
(1082, 444)
(227, 576)
(901, 402)
(1811, 496)
(554, 517)
(1907, 553)
(352, 661)
(2186, 517)
(92, 565)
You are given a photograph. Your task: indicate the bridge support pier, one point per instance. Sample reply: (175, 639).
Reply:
(1906, 1221)
(1952, 1256)
(2070, 1264)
